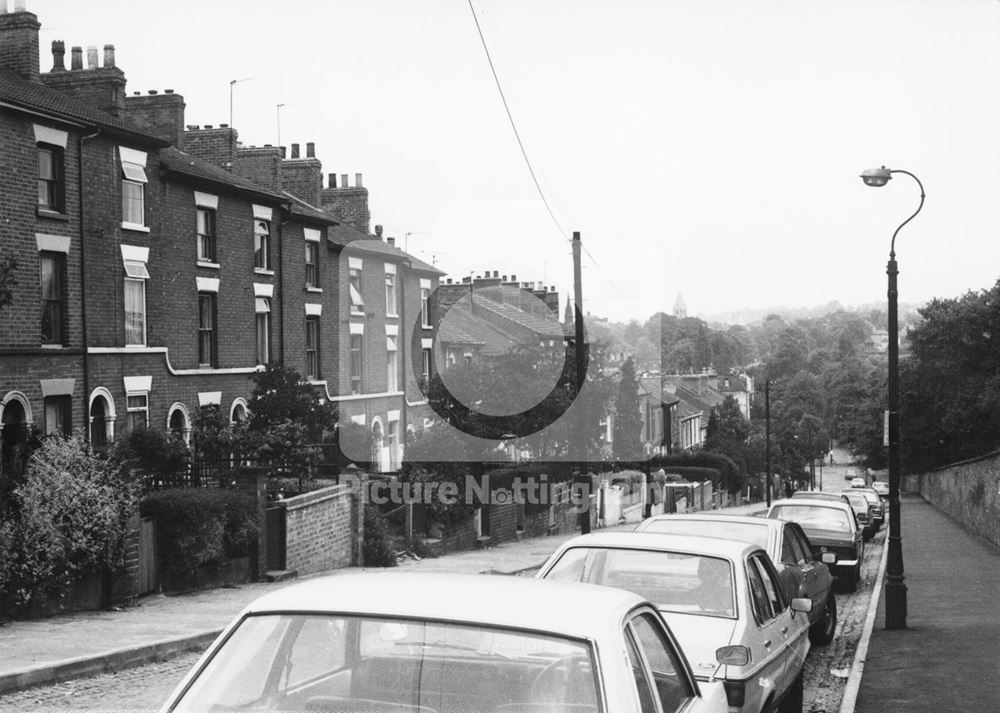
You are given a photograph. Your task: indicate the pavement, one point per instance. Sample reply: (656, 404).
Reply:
(948, 657)
(70, 646)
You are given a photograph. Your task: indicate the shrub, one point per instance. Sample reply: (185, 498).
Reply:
(377, 549)
(196, 526)
(70, 518)
(152, 453)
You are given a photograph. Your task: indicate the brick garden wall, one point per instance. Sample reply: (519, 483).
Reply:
(968, 491)
(320, 528)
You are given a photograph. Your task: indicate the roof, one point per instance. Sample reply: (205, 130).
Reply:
(798, 502)
(487, 599)
(693, 544)
(185, 164)
(653, 386)
(736, 383)
(378, 247)
(21, 93)
(307, 210)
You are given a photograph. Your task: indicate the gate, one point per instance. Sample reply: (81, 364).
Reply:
(274, 525)
(148, 575)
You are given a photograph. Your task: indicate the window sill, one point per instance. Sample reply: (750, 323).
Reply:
(135, 346)
(135, 226)
(318, 290)
(392, 316)
(51, 214)
(262, 271)
(357, 314)
(209, 265)
(53, 346)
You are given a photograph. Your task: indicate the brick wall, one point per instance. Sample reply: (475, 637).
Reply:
(968, 491)
(159, 114)
(349, 203)
(320, 529)
(215, 145)
(262, 165)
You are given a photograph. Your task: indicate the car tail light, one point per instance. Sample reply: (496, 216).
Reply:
(733, 655)
(735, 692)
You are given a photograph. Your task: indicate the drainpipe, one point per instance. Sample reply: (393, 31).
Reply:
(83, 285)
(401, 342)
(281, 284)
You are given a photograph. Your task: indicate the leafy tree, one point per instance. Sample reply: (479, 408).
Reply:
(628, 419)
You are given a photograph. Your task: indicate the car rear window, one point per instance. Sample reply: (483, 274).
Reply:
(814, 517)
(742, 531)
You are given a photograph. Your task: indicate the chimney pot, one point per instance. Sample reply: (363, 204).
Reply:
(58, 52)
(153, 92)
(283, 152)
(496, 273)
(343, 180)
(189, 127)
(171, 91)
(19, 6)
(135, 94)
(221, 126)
(357, 180)
(391, 241)
(378, 231)
(76, 57)
(311, 150)
(513, 278)
(295, 150)
(207, 126)
(333, 180)
(109, 55)
(91, 56)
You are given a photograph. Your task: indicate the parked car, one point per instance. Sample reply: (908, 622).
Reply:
(850, 474)
(819, 495)
(878, 511)
(722, 599)
(787, 545)
(422, 643)
(862, 511)
(882, 488)
(859, 483)
(833, 533)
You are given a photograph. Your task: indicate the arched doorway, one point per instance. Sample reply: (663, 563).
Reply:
(380, 455)
(15, 423)
(102, 419)
(179, 423)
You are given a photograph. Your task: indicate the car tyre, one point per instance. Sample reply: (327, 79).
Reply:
(792, 702)
(821, 633)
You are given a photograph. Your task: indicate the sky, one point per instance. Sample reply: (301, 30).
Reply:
(707, 148)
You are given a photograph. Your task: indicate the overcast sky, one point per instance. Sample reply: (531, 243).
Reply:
(703, 147)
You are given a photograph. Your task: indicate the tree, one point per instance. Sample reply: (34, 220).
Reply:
(628, 419)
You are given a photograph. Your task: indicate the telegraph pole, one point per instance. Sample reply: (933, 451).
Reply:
(767, 439)
(581, 377)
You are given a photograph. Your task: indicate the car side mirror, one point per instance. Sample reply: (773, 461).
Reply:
(802, 604)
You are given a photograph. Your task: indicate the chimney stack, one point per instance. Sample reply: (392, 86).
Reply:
(19, 43)
(391, 241)
(343, 180)
(58, 56)
(378, 232)
(333, 180)
(295, 150)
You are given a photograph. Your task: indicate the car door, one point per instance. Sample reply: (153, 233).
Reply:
(668, 679)
(818, 579)
(765, 638)
(793, 627)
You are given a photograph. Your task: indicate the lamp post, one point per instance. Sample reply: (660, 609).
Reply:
(895, 589)
(767, 439)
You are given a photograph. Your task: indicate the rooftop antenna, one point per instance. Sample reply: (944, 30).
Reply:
(277, 111)
(233, 83)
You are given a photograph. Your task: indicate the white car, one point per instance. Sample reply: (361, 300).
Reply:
(439, 643)
(722, 599)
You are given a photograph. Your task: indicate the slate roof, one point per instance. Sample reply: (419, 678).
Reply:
(653, 386)
(308, 210)
(366, 244)
(549, 328)
(186, 164)
(19, 92)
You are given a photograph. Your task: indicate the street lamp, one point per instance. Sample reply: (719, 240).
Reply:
(767, 439)
(895, 589)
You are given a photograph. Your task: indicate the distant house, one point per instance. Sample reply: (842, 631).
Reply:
(878, 342)
(740, 387)
(659, 412)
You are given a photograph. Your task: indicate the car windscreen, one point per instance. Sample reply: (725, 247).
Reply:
(814, 517)
(350, 664)
(858, 501)
(742, 531)
(675, 581)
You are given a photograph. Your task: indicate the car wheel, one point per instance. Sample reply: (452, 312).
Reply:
(821, 633)
(792, 702)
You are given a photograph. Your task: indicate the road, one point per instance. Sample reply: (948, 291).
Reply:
(143, 689)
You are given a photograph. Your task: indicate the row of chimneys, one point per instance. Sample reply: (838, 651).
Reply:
(495, 276)
(76, 56)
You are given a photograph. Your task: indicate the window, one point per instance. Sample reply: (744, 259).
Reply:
(426, 363)
(263, 308)
(392, 362)
(647, 704)
(354, 285)
(133, 194)
(137, 406)
(207, 329)
(392, 443)
(206, 235)
(53, 283)
(668, 675)
(135, 302)
(51, 180)
(262, 245)
(390, 291)
(312, 347)
(312, 264)
(425, 307)
(58, 415)
(357, 341)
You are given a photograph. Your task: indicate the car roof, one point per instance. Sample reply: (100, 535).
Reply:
(694, 544)
(806, 502)
(492, 600)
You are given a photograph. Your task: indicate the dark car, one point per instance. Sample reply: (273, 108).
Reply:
(863, 511)
(819, 495)
(833, 533)
(882, 488)
(878, 512)
(800, 573)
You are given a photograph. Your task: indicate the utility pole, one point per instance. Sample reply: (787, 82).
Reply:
(767, 439)
(581, 377)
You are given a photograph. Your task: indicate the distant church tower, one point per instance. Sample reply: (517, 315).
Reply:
(680, 309)
(569, 316)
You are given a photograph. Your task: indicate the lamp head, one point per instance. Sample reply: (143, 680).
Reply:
(876, 177)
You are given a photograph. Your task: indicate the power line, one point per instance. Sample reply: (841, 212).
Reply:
(513, 126)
